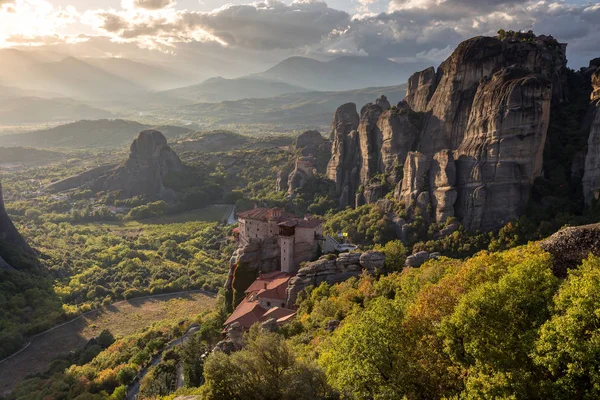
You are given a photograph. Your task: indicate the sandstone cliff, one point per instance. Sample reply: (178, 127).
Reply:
(369, 145)
(591, 177)
(468, 139)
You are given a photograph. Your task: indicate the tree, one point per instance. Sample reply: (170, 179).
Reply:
(365, 357)
(192, 355)
(266, 369)
(395, 255)
(569, 343)
(492, 331)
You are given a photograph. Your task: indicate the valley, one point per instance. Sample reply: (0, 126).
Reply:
(323, 229)
(120, 319)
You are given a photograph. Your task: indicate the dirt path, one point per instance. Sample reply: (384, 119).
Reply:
(123, 318)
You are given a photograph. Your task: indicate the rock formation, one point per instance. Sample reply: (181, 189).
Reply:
(591, 177)
(468, 138)
(9, 235)
(570, 246)
(150, 161)
(309, 142)
(375, 144)
(300, 175)
(254, 257)
(344, 166)
(329, 270)
(421, 87)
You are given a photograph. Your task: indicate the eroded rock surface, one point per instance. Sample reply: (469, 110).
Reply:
(335, 270)
(570, 246)
(591, 177)
(468, 139)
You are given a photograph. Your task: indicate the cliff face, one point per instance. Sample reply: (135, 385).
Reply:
(472, 138)
(376, 142)
(344, 166)
(591, 177)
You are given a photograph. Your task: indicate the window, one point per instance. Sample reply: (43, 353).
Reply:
(282, 305)
(268, 304)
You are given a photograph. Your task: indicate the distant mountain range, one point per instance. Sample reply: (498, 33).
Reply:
(32, 110)
(294, 111)
(295, 75)
(220, 89)
(342, 73)
(100, 133)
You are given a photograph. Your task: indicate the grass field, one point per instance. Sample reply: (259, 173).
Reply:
(120, 319)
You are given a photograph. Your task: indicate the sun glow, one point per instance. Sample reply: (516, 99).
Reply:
(33, 22)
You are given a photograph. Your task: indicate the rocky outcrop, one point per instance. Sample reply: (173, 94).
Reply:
(377, 145)
(309, 142)
(570, 246)
(281, 184)
(300, 175)
(500, 153)
(333, 270)
(150, 161)
(468, 139)
(345, 164)
(596, 85)
(383, 103)
(591, 177)
(254, 257)
(10, 238)
(399, 129)
(421, 87)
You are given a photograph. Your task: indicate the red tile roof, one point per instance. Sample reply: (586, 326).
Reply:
(266, 214)
(247, 314)
(279, 313)
(310, 222)
(272, 285)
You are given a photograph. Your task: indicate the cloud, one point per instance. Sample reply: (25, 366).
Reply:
(265, 25)
(148, 4)
(409, 30)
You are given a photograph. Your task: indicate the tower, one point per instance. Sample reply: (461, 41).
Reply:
(287, 237)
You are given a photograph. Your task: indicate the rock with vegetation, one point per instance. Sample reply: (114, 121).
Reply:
(570, 246)
(332, 269)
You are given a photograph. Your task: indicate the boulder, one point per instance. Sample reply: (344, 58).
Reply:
(309, 138)
(417, 259)
(570, 246)
(372, 260)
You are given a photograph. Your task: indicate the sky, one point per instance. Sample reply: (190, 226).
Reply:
(255, 34)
